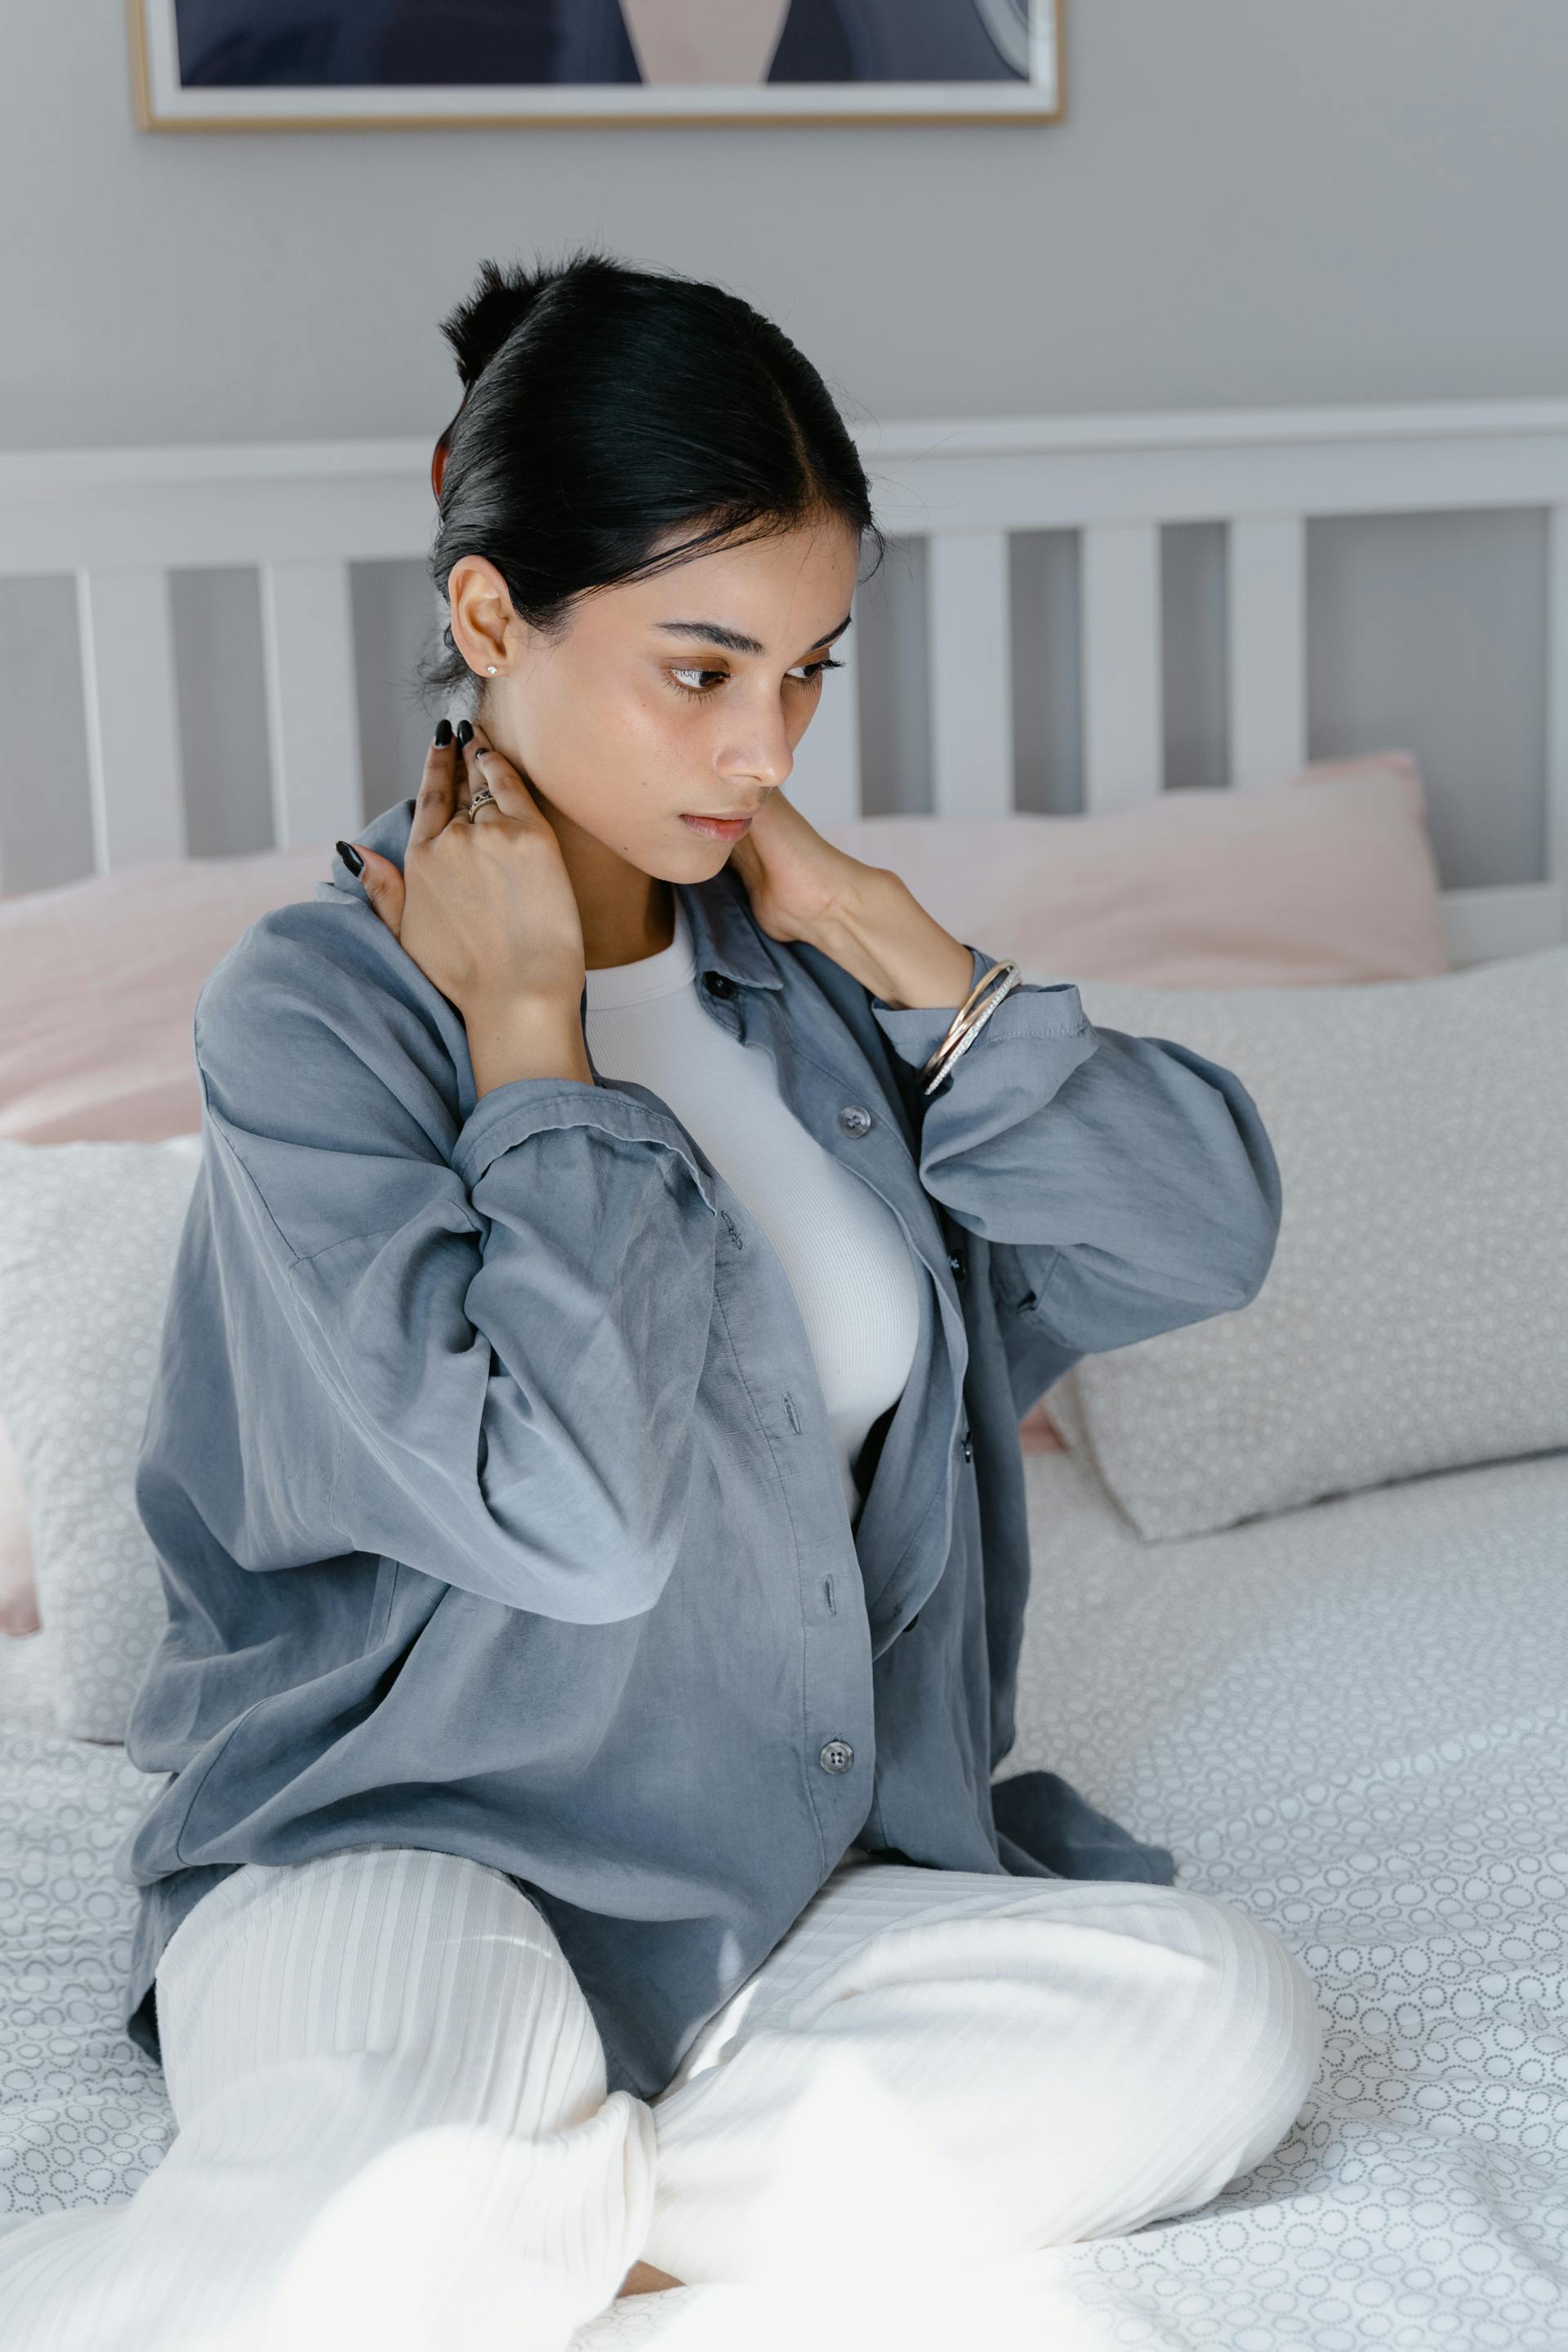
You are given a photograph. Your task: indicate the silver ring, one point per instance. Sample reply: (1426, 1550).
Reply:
(480, 797)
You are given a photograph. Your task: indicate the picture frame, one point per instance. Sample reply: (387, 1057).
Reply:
(344, 65)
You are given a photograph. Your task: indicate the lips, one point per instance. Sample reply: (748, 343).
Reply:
(718, 828)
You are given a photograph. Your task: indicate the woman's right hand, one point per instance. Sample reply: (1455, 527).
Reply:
(487, 912)
(486, 909)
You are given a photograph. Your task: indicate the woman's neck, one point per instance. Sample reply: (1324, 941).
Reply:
(627, 914)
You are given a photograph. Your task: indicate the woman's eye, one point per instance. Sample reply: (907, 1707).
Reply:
(802, 676)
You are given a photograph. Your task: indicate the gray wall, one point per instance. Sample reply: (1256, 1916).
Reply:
(1247, 205)
(1249, 202)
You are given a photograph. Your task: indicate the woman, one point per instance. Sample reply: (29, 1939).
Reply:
(584, 1469)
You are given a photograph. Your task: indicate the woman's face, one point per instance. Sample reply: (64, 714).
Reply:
(639, 715)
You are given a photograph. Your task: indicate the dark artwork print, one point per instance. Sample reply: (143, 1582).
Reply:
(340, 44)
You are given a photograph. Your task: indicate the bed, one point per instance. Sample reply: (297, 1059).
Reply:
(1349, 1718)
(1332, 1671)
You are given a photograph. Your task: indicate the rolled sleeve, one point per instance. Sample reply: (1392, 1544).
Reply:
(510, 1114)
(1030, 1010)
(1127, 1182)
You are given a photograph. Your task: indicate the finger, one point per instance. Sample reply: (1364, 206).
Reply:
(487, 765)
(463, 790)
(437, 797)
(384, 886)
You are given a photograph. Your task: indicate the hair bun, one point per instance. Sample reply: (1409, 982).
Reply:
(481, 323)
(476, 329)
(503, 297)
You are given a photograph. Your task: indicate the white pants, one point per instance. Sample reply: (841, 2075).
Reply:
(393, 2127)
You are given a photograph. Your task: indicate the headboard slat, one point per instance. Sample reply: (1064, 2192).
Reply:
(313, 736)
(130, 702)
(1123, 684)
(1266, 608)
(970, 667)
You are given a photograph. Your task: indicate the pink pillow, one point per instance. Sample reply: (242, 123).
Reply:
(1326, 877)
(99, 982)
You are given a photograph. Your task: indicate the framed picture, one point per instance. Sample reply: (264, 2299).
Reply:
(337, 65)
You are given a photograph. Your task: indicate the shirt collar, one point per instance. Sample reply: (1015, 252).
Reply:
(725, 935)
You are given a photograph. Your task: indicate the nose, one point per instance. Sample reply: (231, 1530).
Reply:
(760, 754)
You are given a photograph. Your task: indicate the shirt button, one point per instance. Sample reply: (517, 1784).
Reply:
(959, 1263)
(854, 1118)
(836, 1757)
(968, 1449)
(718, 983)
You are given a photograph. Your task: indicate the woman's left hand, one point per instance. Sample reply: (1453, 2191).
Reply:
(799, 885)
(863, 918)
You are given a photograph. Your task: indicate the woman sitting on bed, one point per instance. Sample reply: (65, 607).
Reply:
(584, 1469)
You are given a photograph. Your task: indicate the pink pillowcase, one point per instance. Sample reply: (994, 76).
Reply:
(99, 982)
(1326, 877)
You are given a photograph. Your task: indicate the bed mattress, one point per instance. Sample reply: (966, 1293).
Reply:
(1348, 1719)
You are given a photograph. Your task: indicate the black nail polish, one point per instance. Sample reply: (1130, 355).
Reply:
(350, 856)
(443, 733)
(465, 733)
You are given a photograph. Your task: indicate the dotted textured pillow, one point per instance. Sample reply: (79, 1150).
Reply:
(1416, 1315)
(87, 1236)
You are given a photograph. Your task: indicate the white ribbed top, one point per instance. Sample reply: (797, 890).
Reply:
(840, 1245)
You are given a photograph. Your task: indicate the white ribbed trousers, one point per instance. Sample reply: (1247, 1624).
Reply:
(394, 2129)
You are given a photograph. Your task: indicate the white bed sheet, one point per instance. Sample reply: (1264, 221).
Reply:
(1349, 1719)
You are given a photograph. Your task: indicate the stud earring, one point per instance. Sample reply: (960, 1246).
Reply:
(492, 670)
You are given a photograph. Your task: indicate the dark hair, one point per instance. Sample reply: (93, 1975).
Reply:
(605, 406)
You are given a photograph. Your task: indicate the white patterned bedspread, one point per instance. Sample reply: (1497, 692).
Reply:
(1349, 1719)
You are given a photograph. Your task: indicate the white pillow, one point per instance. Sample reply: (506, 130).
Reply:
(1415, 1317)
(87, 1236)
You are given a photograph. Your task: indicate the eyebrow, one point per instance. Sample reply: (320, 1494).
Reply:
(732, 640)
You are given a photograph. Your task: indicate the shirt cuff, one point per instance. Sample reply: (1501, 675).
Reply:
(510, 1114)
(1033, 1008)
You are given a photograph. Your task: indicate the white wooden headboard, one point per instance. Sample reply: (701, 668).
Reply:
(119, 521)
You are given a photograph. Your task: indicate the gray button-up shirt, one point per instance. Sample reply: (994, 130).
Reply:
(491, 1477)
